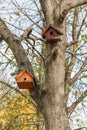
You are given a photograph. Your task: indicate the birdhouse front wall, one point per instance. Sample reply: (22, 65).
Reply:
(51, 33)
(52, 36)
(25, 85)
(24, 77)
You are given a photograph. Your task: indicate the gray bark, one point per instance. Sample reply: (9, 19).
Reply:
(53, 98)
(54, 102)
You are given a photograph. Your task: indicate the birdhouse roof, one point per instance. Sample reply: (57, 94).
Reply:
(51, 27)
(23, 73)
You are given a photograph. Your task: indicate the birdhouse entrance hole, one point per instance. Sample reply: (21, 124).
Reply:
(25, 79)
(51, 32)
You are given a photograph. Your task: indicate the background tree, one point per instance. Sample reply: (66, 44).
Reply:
(64, 62)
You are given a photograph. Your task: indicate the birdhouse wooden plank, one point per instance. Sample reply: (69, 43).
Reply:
(25, 80)
(52, 34)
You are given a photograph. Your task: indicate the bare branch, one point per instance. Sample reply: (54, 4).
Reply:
(74, 55)
(69, 5)
(27, 15)
(73, 106)
(39, 11)
(74, 25)
(7, 57)
(81, 25)
(15, 45)
(35, 49)
(71, 43)
(4, 94)
(72, 4)
(79, 72)
(8, 85)
(69, 81)
(74, 36)
(27, 32)
(81, 128)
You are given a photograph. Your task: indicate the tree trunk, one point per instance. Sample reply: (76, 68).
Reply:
(53, 98)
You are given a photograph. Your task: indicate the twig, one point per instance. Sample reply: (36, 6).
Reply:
(71, 43)
(35, 49)
(8, 85)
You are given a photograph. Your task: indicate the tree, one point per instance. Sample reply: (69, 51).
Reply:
(19, 113)
(51, 96)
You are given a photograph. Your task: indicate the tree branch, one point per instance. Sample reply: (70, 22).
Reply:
(27, 32)
(17, 90)
(27, 40)
(15, 45)
(75, 43)
(73, 106)
(72, 4)
(74, 25)
(79, 72)
(71, 43)
(69, 5)
(81, 128)
(81, 25)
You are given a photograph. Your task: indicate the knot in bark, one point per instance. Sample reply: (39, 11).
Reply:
(54, 52)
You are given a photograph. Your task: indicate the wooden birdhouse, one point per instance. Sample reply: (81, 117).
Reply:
(25, 80)
(52, 34)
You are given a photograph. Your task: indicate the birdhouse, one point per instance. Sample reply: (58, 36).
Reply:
(25, 80)
(52, 34)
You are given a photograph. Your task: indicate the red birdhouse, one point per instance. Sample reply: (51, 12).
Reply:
(52, 34)
(25, 80)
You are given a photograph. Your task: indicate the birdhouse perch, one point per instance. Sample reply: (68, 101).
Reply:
(52, 34)
(25, 80)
